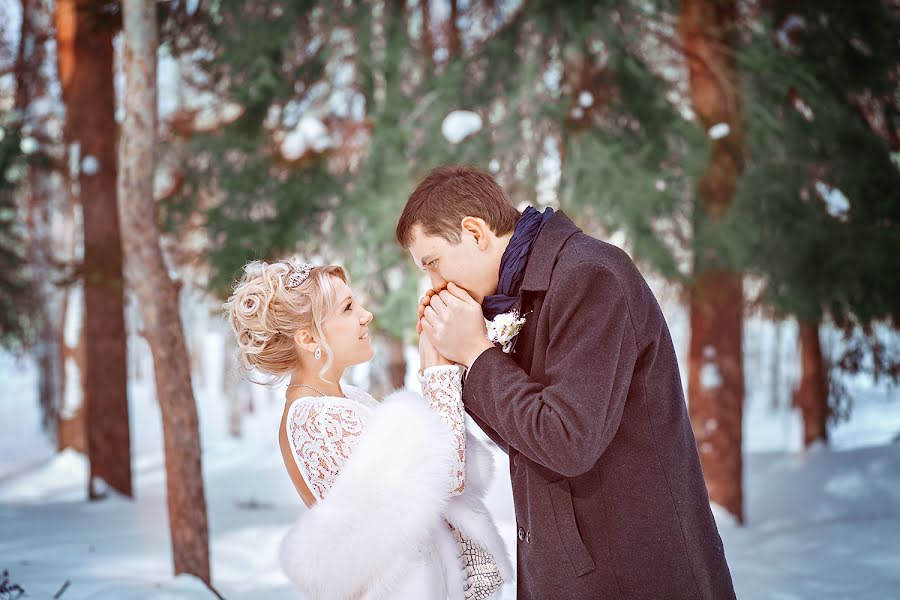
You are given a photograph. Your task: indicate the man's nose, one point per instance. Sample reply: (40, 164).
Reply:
(437, 281)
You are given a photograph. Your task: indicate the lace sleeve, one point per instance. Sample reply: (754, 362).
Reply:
(442, 388)
(322, 435)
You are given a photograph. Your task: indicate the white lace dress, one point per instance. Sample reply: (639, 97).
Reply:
(323, 431)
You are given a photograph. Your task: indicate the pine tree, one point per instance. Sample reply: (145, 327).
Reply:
(255, 203)
(17, 318)
(715, 363)
(819, 204)
(40, 200)
(340, 203)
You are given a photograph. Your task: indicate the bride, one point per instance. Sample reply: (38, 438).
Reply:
(394, 488)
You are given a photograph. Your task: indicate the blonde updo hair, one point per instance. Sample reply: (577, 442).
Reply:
(265, 315)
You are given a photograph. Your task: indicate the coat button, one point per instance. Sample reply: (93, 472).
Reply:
(521, 534)
(527, 537)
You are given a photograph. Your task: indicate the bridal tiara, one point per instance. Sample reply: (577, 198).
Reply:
(298, 275)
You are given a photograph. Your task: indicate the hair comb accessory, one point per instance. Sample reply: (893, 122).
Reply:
(298, 275)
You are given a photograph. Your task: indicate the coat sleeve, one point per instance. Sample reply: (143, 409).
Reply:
(565, 422)
(493, 435)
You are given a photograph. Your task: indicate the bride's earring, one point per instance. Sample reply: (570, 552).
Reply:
(318, 353)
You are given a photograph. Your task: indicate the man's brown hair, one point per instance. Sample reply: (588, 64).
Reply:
(447, 196)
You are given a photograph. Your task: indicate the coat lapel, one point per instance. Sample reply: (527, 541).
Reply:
(536, 281)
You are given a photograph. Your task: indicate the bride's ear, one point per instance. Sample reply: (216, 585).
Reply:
(479, 229)
(305, 340)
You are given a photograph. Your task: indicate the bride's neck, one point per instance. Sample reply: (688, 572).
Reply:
(311, 377)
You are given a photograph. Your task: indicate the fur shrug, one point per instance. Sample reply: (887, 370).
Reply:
(387, 509)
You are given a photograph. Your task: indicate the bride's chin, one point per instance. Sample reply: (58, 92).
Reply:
(366, 357)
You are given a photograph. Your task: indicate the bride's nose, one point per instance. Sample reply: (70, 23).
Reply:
(367, 318)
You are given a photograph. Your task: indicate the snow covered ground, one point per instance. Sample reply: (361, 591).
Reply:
(821, 525)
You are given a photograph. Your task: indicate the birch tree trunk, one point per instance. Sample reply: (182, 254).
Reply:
(158, 297)
(396, 366)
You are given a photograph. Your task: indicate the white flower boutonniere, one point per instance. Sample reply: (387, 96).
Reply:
(504, 327)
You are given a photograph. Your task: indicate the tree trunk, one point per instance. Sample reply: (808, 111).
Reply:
(811, 396)
(715, 362)
(427, 38)
(233, 388)
(396, 366)
(158, 296)
(85, 53)
(716, 384)
(31, 86)
(454, 42)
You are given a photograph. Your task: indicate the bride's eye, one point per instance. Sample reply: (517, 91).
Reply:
(348, 306)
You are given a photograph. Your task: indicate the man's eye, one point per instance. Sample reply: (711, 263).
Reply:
(432, 263)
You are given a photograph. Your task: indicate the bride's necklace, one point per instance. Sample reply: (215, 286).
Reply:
(307, 386)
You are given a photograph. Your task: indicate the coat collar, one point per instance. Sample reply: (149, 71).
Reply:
(544, 251)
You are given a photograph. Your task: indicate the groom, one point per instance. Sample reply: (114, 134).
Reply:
(609, 496)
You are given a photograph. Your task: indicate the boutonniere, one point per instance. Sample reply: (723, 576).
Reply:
(504, 327)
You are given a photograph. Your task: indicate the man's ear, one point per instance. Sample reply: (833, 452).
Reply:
(479, 230)
(306, 340)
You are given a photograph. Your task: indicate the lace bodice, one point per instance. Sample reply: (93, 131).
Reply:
(323, 431)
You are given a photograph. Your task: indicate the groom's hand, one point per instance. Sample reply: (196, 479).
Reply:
(455, 324)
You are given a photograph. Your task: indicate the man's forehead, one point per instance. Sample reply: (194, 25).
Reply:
(423, 244)
(417, 235)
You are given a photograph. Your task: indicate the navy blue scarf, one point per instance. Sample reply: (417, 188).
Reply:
(513, 262)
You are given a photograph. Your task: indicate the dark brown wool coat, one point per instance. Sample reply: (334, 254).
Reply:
(609, 495)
